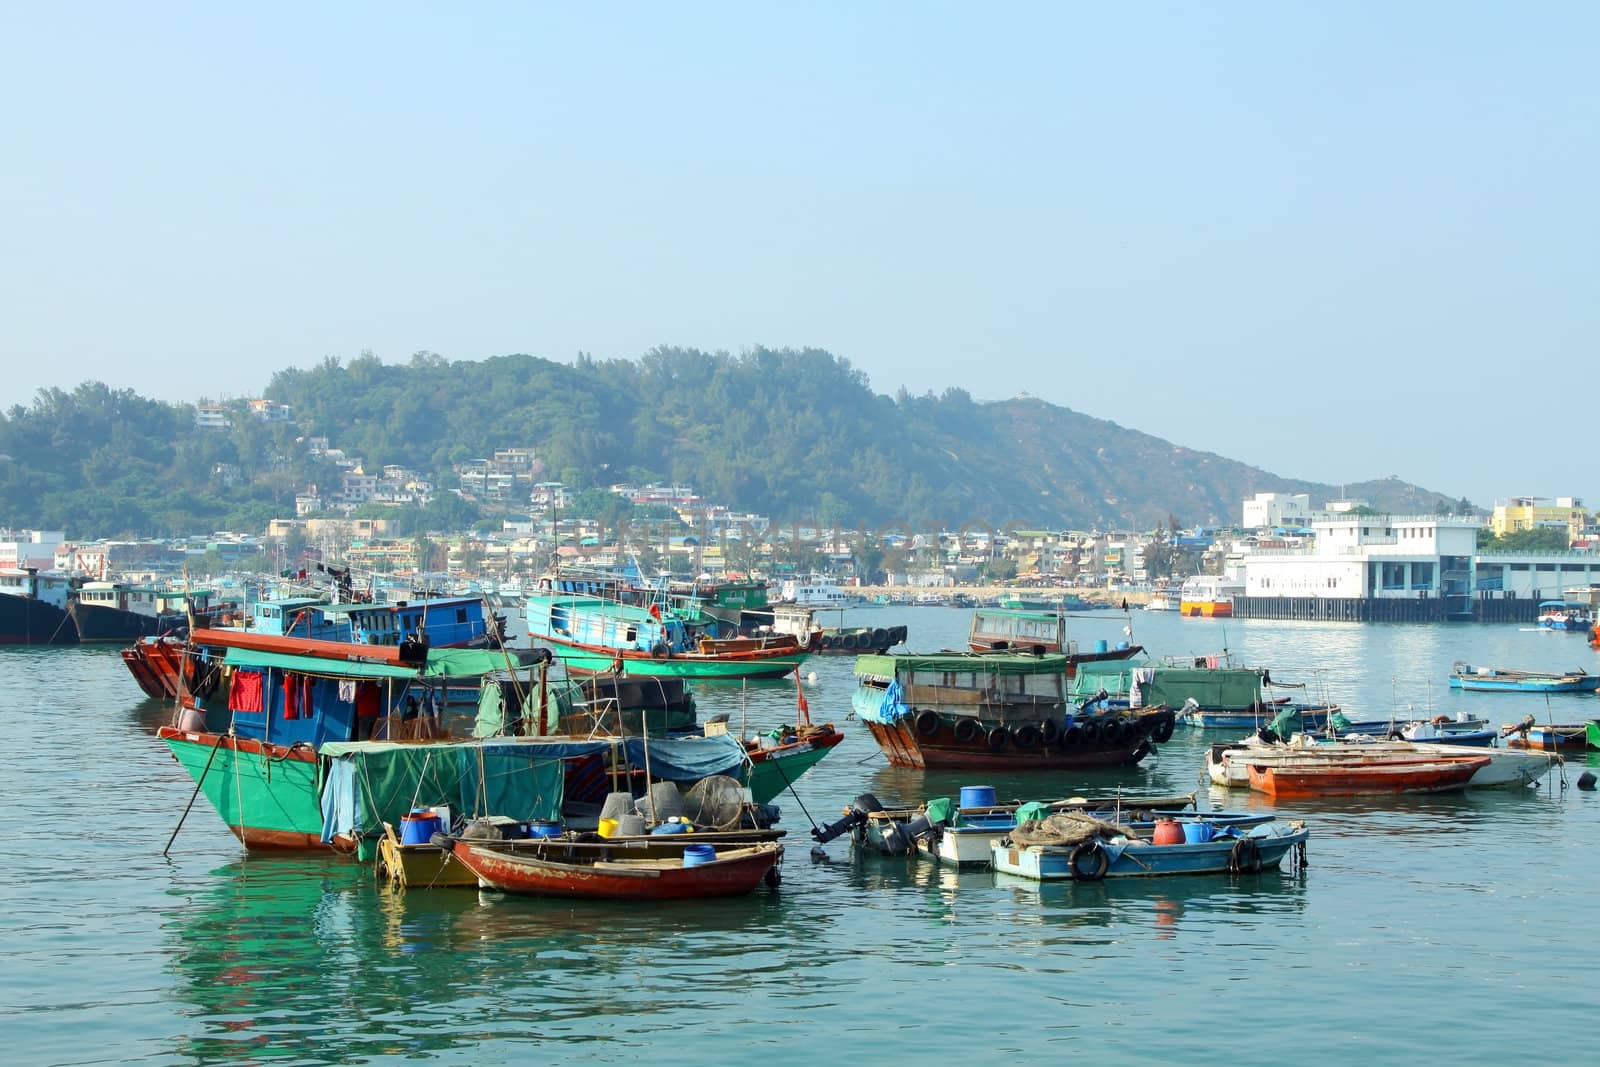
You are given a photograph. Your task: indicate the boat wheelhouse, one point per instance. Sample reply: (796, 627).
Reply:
(1001, 629)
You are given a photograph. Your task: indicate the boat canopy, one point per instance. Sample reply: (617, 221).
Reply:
(1213, 688)
(316, 666)
(981, 663)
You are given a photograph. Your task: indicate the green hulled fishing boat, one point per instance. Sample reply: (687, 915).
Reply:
(594, 635)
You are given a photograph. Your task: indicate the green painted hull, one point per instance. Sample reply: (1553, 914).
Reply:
(586, 662)
(770, 778)
(1591, 733)
(268, 803)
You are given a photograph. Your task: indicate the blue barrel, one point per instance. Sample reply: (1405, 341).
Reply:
(670, 828)
(418, 827)
(1100, 646)
(977, 796)
(695, 855)
(1198, 833)
(544, 828)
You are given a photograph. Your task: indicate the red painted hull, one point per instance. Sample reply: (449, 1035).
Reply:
(156, 663)
(1334, 780)
(905, 748)
(739, 873)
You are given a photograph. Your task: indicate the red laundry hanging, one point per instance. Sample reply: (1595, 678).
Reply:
(308, 686)
(245, 694)
(291, 696)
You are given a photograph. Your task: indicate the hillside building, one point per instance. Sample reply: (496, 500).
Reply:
(1532, 513)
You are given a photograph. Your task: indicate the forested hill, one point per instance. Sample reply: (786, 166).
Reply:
(797, 435)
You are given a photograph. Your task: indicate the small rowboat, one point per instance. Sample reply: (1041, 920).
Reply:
(1507, 680)
(1337, 779)
(1089, 861)
(1548, 737)
(601, 874)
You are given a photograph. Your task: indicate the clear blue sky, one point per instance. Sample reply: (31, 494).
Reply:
(1338, 241)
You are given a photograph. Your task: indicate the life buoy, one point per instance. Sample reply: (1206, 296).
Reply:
(1050, 731)
(1089, 862)
(927, 722)
(1025, 736)
(1245, 857)
(967, 731)
(996, 738)
(1161, 733)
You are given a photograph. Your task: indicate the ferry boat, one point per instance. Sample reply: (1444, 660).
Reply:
(813, 592)
(1565, 615)
(1209, 596)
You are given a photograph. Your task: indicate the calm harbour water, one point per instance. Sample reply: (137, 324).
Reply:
(1452, 927)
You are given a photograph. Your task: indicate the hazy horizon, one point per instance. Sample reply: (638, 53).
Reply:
(1328, 242)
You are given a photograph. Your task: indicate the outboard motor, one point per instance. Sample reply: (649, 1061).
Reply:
(898, 840)
(863, 806)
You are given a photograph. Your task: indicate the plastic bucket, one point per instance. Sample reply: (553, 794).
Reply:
(695, 855)
(419, 827)
(544, 828)
(977, 796)
(1100, 646)
(608, 827)
(1198, 833)
(1168, 832)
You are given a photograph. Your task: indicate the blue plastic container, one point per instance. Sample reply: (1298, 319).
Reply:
(670, 828)
(1100, 646)
(544, 828)
(1198, 833)
(419, 827)
(695, 855)
(977, 796)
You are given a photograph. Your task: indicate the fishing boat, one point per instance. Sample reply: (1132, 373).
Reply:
(1208, 596)
(121, 611)
(1546, 737)
(33, 608)
(1465, 729)
(1116, 856)
(1508, 680)
(1565, 615)
(1228, 765)
(426, 859)
(1209, 692)
(604, 872)
(593, 635)
(994, 711)
(1003, 630)
(961, 836)
(1380, 775)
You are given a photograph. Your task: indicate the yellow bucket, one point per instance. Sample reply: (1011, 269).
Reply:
(608, 827)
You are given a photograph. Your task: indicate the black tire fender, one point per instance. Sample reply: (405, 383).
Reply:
(1089, 862)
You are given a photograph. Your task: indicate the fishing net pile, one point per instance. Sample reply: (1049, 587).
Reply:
(1065, 828)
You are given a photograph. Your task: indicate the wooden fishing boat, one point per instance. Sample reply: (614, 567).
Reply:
(426, 865)
(1435, 774)
(970, 844)
(1209, 692)
(1229, 765)
(609, 874)
(1509, 680)
(994, 711)
(592, 635)
(1260, 849)
(1546, 737)
(1003, 630)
